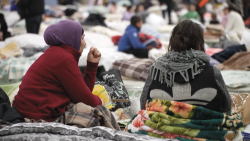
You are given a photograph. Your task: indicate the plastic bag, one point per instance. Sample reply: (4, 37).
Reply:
(241, 104)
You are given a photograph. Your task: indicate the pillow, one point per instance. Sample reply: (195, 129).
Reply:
(155, 20)
(27, 41)
(118, 26)
(166, 28)
(134, 68)
(105, 31)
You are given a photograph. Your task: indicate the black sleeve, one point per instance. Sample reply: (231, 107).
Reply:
(226, 99)
(22, 3)
(146, 91)
(3, 27)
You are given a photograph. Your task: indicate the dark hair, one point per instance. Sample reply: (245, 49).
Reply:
(137, 7)
(134, 20)
(186, 35)
(113, 3)
(232, 8)
(82, 31)
(129, 8)
(214, 16)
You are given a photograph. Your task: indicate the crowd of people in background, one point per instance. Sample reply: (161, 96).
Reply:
(235, 14)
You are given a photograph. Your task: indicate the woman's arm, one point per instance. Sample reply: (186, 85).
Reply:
(90, 74)
(226, 99)
(145, 92)
(77, 89)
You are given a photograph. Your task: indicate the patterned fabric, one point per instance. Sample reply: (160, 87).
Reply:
(236, 78)
(82, 115)
(13, 69)
(57, 131)
(19, 67)
(177, 120)
(134, 68)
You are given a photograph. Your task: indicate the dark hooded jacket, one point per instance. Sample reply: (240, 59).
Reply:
(206, 89)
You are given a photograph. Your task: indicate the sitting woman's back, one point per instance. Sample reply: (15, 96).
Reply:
(184, 73)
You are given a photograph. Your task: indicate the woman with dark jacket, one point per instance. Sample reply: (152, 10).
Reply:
(54, 80)
(184, 73)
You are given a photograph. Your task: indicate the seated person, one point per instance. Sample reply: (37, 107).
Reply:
(130, 42)
(214, 19)
(54, 80)
(3, 28)
(184, 73)
(235, 27)
(191, 14)
(128, 14)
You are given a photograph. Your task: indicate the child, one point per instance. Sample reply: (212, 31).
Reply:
(214, 19)
(130, 43)
(192, 13)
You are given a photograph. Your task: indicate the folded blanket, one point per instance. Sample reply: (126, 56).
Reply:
(239, 61)
(177, 120)
(134, 68)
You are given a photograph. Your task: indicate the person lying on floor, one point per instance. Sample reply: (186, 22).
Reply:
(130, 42)
(54, 80)
(184, 74)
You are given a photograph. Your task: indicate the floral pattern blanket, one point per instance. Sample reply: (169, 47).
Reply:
(177, 120)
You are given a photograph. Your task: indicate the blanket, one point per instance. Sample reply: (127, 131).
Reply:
(239, 61)
(57, 131)
(134, 68)
(177, 120)
(84, 116)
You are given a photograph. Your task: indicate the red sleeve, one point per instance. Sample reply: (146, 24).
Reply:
(90, 74)
(71, 79)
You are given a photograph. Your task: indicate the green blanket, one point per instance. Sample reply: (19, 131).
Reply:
(177, 120)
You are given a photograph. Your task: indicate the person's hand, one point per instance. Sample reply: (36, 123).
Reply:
(94, 55)
(149, 47)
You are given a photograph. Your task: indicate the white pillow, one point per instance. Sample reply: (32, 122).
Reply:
(166, 28)
(98, 40)
(155, 20)
(27, 41)
(105, 31)
(12, 18)
(118, 25)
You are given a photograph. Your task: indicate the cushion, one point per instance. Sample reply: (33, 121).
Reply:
(135, 68)
(24, 40)
(105, 31)
(155, 20)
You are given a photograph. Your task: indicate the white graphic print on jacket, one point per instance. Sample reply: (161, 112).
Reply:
(182, 92)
